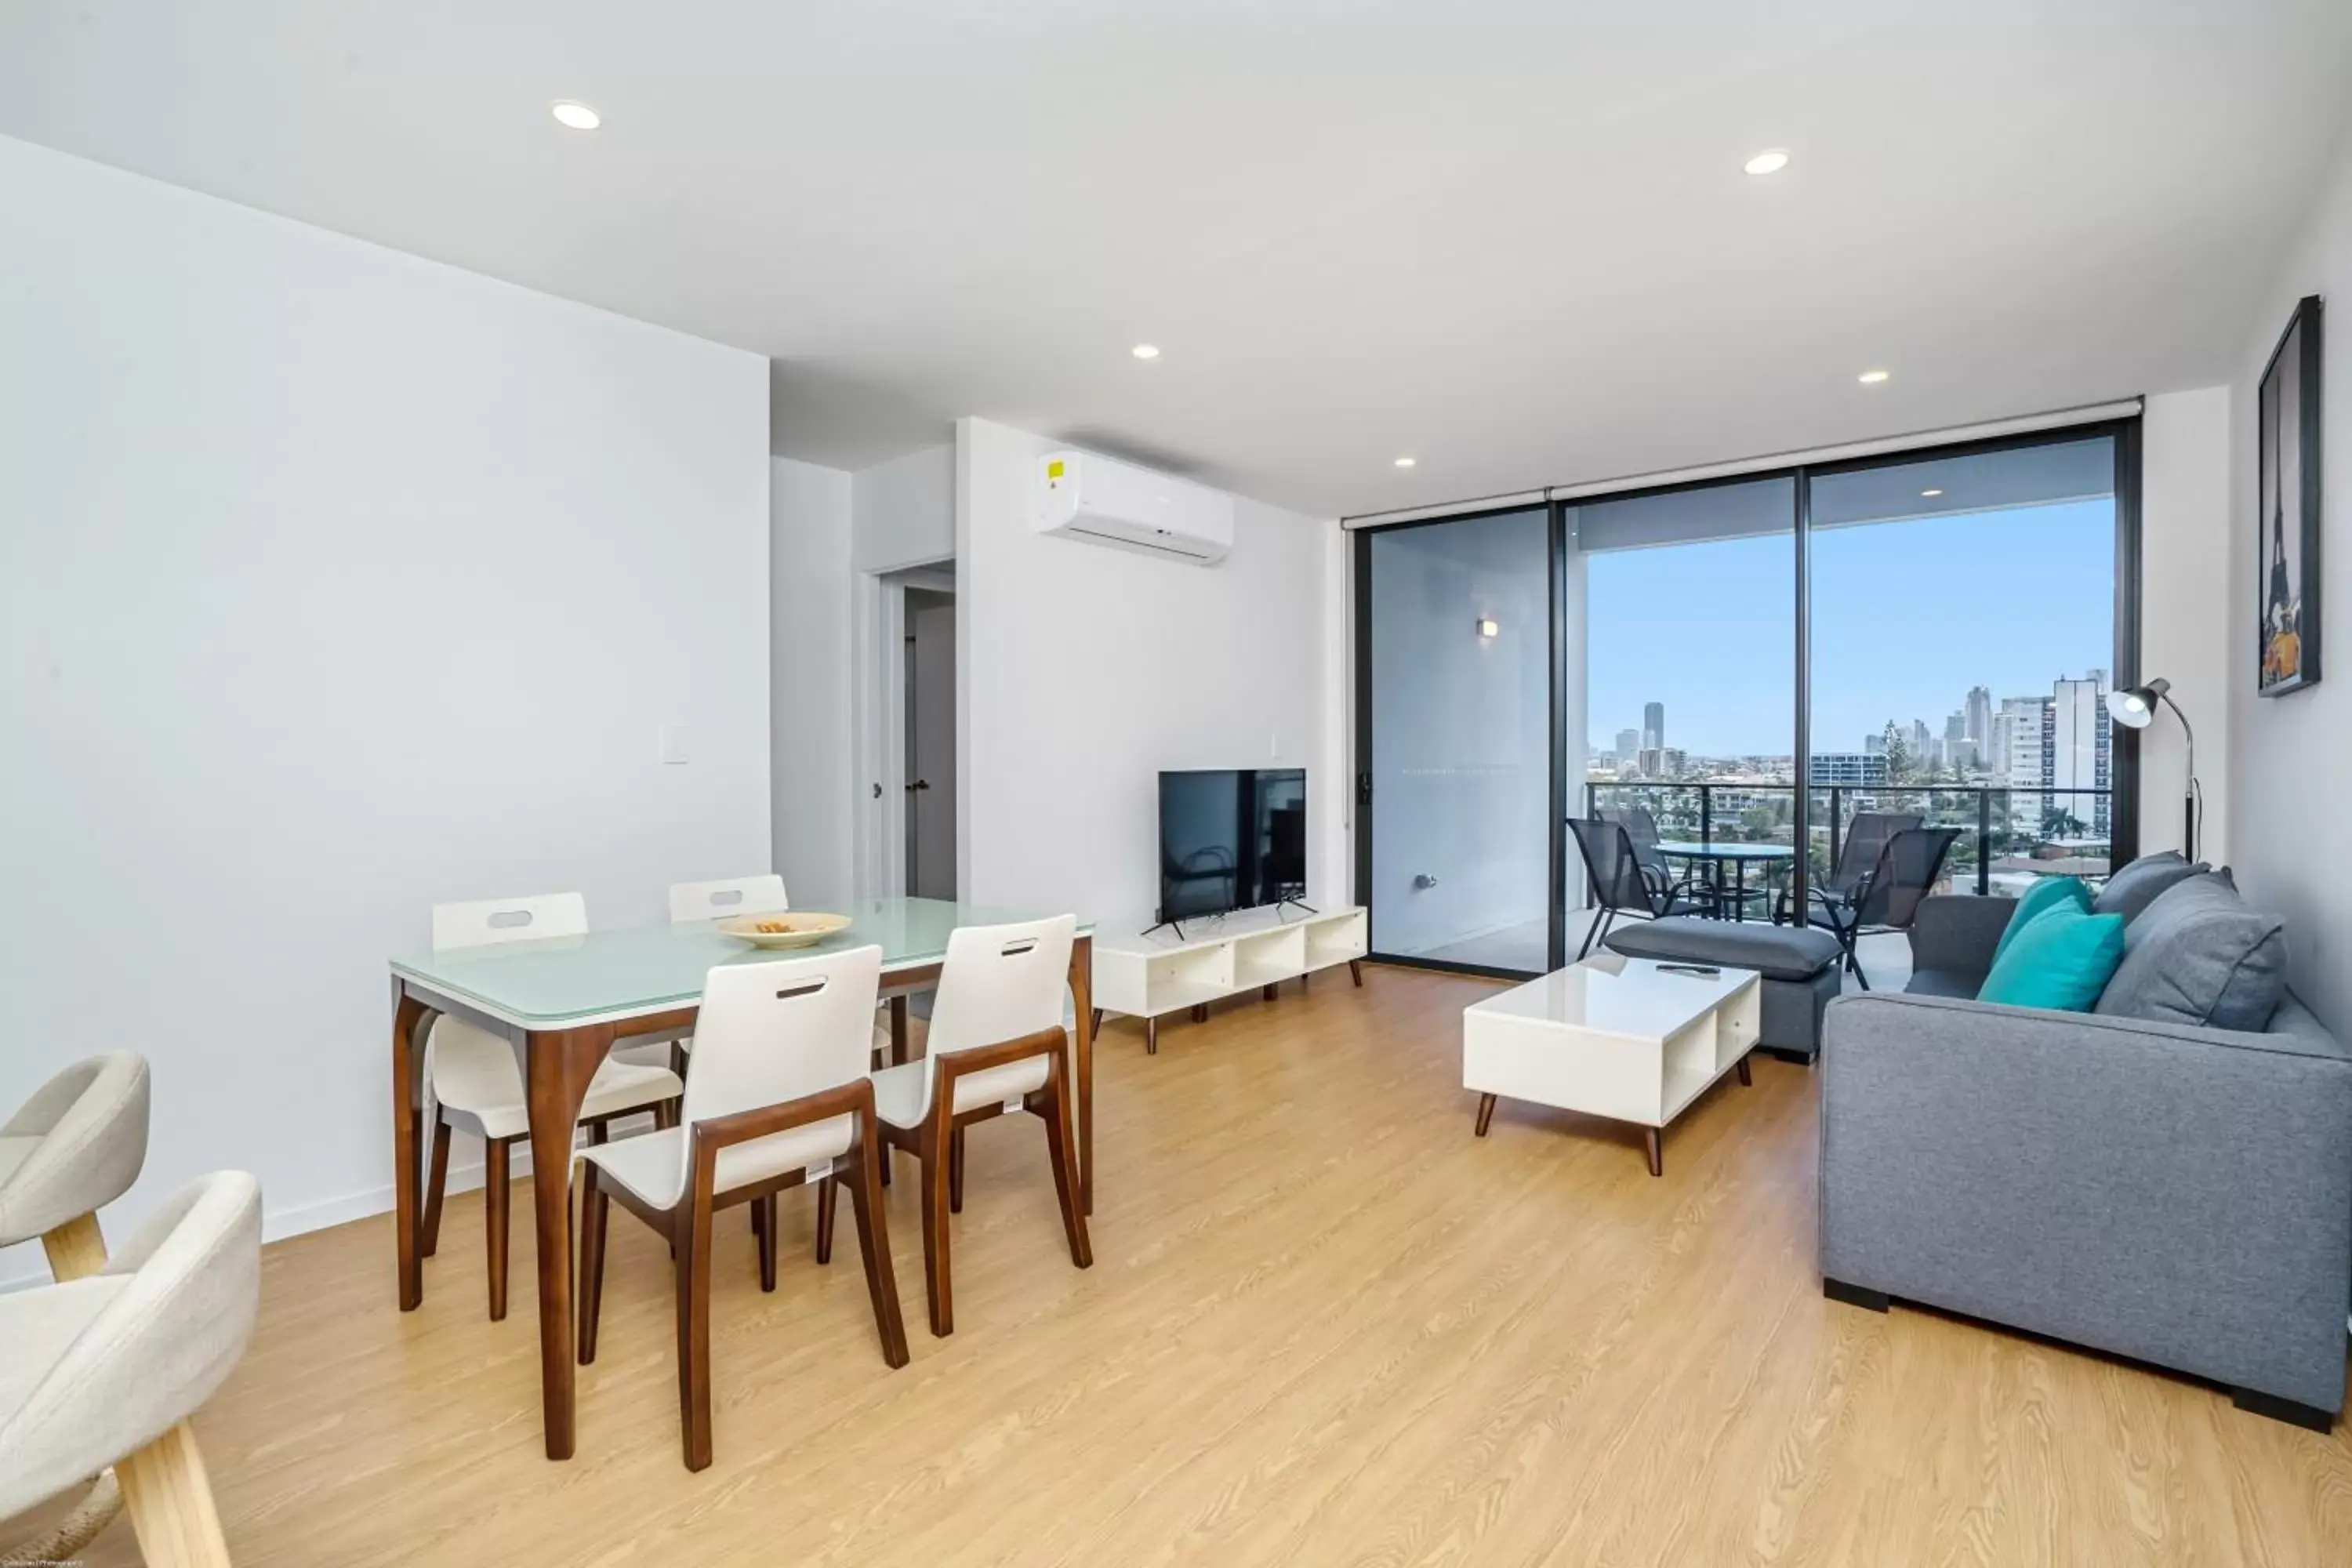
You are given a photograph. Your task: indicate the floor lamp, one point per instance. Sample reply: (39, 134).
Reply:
(2134, 706)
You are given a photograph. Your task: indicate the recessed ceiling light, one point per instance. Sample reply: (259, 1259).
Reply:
(1771, 161)
(1872, 378)
(1145, 350)
(1405, 462)
(577, 116)
(1925, 495)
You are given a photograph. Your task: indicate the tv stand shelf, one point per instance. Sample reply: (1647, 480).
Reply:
(1149, 977)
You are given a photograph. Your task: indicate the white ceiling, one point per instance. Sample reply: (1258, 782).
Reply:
(1512, 239)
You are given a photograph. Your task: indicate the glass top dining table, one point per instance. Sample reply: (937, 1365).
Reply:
(562, 1002)
(612, 977)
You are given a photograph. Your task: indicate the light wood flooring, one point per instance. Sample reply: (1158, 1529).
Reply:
(1325, 1326)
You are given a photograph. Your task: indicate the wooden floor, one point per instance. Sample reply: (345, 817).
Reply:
(1325, 1326)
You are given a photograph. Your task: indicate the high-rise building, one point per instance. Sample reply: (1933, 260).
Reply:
(1956, 728)
(1978, 709)
(1872, 745)
(2077, 749)
(1848, 768)
(1654, 726)
(2017, 754)
(1922, 743)
(1629, 745)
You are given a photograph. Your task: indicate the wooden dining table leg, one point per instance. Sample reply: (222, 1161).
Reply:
(899, 1030)
(558, 1065)
(1082, 994)
(408, 1170)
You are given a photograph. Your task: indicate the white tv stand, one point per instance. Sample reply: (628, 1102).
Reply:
(1149, 977)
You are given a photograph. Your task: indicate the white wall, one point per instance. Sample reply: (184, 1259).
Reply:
(334, 582)
(809, 737)
(1086, 671)
(2291, 757)
(905, 511)
(2184, 549)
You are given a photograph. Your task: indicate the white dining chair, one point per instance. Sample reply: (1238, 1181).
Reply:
(778, 1096)
(723, 898)
(996, 1046)
(727, 896)
(107, 1369)
(475, 1085)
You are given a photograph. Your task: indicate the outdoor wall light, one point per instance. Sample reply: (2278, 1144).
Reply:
(2134, 708)
(1487, 626)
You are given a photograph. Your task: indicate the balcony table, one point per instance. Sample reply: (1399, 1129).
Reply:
(562, 1001)
(1734, 854)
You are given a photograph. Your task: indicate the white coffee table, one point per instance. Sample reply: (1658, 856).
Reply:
(1626, 1038)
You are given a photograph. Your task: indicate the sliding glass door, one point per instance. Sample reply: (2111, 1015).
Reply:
(1456, 722)
(1963, 644)
(1741, 671)
(1689, 629)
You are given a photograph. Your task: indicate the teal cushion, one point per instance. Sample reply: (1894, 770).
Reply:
(2047, 894)
(2063, 959)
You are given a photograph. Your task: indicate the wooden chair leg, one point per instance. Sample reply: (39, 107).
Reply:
(873, 1245)
(766, 1210)
(694, 1334)
(825, 1217)
(170, 1500)
(428, 1229)
(1061, 1144)
(934, 1161)
(594, 1209)
(495, 1208)
(955, 1172)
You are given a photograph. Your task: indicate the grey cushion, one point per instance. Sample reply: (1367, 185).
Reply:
(2198, 955)
(1944, 983)
(2130, 890)
(1777, 953)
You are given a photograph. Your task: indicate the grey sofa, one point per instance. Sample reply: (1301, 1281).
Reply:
(2163, 1190)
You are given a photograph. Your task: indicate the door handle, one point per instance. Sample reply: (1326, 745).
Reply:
(918, 783)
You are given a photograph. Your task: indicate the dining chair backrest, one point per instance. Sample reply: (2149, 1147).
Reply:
(482, 921)
(779, 1030)
(1906, 872)
(727, 896)
(1617, 880)
(1000, 983)
(184, 1292)
(1866, 840)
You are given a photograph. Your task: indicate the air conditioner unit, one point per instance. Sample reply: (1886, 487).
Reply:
(1103, 501)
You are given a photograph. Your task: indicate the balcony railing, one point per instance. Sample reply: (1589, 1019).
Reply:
(2014, 833)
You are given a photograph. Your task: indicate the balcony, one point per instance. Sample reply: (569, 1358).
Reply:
(2008, 838)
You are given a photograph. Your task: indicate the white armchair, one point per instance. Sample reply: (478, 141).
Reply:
(108, 1368)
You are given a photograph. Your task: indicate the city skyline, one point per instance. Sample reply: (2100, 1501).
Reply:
(2007, 601)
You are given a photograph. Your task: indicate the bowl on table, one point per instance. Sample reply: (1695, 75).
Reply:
(785, 928)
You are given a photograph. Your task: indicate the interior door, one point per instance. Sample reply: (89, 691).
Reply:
(931, 745)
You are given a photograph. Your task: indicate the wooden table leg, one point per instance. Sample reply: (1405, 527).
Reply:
(898, 1029)
(1082, 993)
(407, 1012)
(557, 1065)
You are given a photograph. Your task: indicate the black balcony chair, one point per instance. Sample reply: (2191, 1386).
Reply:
(1621, 883)
(1866, 840)
(1642, 828)
(1886, 898)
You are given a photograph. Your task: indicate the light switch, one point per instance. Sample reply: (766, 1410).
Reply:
(676, 743)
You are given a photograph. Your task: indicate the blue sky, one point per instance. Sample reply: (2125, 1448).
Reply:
(1907, 616)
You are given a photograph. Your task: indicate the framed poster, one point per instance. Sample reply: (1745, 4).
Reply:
(2286, 519)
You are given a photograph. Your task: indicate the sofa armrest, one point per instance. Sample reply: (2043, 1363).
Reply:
(2178, 1194)
(1957, 932)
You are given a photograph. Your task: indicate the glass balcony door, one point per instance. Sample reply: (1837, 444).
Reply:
(1457, 731)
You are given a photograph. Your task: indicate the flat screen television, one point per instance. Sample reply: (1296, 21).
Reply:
(1231, 838)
